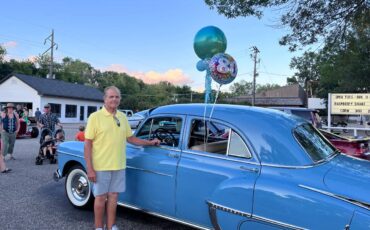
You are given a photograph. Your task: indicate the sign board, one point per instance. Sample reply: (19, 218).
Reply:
(350, 104)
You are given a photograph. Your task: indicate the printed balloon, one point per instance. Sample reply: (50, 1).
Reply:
(223, 68)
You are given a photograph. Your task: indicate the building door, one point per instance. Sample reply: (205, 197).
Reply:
(82, 112)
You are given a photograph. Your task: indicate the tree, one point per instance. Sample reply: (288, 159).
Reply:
(241, 88)
(307, 67)
(309, 20)
(2, 53)
(346, 68)
(75, 71)
(261, 88)
(291, 80)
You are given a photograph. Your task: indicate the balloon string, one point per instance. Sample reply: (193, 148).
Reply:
(210, 116)
(213, 106)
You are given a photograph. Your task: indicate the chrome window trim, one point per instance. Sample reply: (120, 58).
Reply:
(227, 158)
(148, 171)
(163, 216)
(228, 145)
(181, 117)
(340, 197)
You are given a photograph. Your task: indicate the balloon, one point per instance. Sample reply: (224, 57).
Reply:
(202, 65)
(223, 68)
(209, 41)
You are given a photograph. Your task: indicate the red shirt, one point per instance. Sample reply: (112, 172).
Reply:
(80, 136)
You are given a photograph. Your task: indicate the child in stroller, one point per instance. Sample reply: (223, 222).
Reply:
(48, 143)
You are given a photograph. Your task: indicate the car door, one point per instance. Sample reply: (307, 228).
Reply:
(151, 170)
(216, 175)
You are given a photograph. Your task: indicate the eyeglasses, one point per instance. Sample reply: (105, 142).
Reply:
(117, 121)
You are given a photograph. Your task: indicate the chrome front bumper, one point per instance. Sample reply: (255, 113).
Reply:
(57, 175)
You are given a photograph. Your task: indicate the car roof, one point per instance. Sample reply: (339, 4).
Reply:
(269, 130)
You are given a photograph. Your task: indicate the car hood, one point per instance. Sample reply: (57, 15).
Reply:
(349, 179)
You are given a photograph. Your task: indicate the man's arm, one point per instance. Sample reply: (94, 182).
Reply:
(88, 158)
(137, 141)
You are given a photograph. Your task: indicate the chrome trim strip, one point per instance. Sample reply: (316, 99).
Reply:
(343, 198)
(213, 216)
(278, 223)
(70, 154)
(163, 216)
(229, 210)
(149, 171)
(223, 158)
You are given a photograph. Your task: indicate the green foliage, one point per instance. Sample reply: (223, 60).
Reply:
(2, 53)
(243, 88)
(291, 80)
(309, 21)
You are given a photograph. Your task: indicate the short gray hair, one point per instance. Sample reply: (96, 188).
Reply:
(112, 87)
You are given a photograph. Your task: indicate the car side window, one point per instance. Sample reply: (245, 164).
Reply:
(213, 137)
(166, 129)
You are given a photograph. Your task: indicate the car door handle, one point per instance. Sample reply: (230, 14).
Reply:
(255, 170)
(173, 155)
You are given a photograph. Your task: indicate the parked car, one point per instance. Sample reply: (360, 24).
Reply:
(128, 112)
(357, 147)
(26, 131)
(311, 115)
(242, 168)
(137, 118)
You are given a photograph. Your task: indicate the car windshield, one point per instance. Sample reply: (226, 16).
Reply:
(313, 142)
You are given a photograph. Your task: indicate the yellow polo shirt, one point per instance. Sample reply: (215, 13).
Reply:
(108, 139)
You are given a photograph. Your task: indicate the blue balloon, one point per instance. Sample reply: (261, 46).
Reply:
(202, 65)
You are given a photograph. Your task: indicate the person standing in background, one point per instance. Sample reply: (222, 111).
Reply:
(9, 129)
(37, 114)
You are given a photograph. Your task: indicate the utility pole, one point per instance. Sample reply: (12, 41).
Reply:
(254, 56)
(52, 45)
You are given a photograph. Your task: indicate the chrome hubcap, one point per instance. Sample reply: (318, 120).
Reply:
(80, 187)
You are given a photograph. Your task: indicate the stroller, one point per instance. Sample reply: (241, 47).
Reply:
(48, 141)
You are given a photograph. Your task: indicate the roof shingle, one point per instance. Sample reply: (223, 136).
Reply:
(57, 88)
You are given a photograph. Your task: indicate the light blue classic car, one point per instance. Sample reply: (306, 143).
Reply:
(234, 167)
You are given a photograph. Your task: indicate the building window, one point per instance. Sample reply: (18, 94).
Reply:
(90, 110)
(56, 109)
(71, 110)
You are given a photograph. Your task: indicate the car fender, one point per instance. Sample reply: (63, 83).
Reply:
(231, 202)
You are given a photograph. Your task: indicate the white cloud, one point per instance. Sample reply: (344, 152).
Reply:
(32, 58)
(174, 76)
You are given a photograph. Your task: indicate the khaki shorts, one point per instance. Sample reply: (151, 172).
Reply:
(109, 181)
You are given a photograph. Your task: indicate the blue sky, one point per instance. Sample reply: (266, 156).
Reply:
(151, 40)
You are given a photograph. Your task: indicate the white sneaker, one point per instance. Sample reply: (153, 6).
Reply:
(114, 227)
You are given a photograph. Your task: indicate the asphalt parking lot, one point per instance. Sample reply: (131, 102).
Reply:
(31, 199)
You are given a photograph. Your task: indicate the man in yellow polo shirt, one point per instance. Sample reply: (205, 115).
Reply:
(106, 134)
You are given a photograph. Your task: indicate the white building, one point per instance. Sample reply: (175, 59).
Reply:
(72, 103)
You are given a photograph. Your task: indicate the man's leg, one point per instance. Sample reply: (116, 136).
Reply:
(99, 209)
(5, 143)
(12, 138)
(111, 209)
